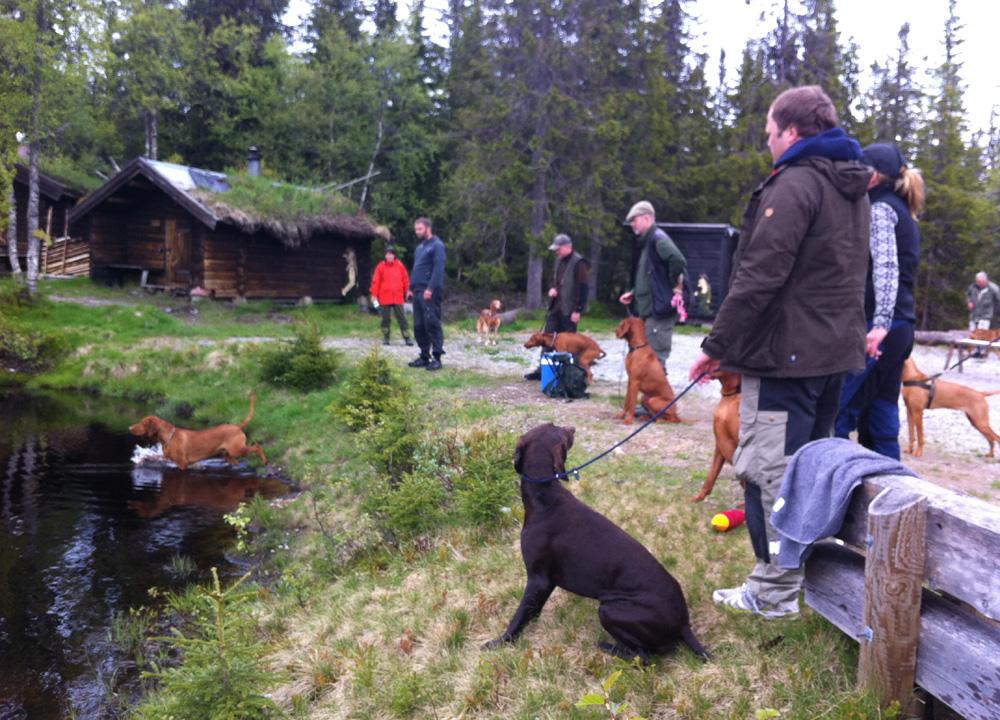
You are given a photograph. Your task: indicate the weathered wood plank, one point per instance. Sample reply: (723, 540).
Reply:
(893, 577)
(962, 541)
(958, 653)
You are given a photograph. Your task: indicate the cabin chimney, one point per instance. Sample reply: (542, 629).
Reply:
(253, 161)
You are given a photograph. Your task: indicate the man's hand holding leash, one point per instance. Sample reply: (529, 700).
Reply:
(703, 367)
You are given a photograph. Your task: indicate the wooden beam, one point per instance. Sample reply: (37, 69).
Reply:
(963, 541)
(894, 572)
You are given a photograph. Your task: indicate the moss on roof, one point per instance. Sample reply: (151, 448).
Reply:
(291, 213)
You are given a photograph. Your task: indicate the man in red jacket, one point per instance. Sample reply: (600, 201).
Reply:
(390, 284)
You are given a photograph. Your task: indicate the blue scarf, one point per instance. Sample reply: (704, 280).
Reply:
(833, 144)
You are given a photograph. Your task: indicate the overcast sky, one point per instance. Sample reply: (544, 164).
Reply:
(873, 24)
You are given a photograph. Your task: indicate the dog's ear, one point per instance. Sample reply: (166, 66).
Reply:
(570, 432)
(519, 457)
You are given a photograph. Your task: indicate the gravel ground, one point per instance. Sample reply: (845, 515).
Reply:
(954, 451)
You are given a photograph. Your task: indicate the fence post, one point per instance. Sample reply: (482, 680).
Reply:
(894, 571)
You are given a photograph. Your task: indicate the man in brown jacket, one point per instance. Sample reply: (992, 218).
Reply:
(793, 321)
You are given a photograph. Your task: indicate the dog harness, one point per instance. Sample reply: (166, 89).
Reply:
(927, 385)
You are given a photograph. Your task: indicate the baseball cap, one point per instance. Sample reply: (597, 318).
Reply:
(559, 241)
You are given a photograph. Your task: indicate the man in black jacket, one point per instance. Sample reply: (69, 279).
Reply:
(568, 294)
(426, 289)
(659, 280)
(793, 322)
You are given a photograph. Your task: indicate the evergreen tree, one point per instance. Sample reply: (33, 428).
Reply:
(892, 108)
(956, 241)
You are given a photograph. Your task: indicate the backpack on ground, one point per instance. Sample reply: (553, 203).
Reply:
(567, 378)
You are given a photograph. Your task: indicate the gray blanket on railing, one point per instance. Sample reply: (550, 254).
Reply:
(816, 491)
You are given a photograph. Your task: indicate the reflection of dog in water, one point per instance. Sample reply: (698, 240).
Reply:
(186, 447)
(180, 489)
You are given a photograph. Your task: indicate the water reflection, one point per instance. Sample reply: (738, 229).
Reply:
(84, 533)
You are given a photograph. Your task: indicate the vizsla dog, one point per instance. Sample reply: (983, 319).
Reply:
(566, 544)
(921, 392)
(645, 375)
(186, 447)
(584, 348)
(488, 324)
(725, 426)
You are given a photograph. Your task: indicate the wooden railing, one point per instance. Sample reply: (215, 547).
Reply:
(917, 583)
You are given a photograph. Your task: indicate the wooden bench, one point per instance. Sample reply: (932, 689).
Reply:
(965, 348)
(915, 580)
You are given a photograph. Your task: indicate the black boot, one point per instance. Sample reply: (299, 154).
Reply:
(422, 361)
(535, 374)
(434, 364)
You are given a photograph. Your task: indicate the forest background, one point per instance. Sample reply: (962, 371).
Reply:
(528, 118)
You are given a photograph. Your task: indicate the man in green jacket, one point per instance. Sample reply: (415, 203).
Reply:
(659, 280)
(793, 322)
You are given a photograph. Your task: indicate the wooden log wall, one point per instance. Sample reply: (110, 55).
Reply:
(273, 270)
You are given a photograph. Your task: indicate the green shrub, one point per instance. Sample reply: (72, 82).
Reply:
(415, 505)
(25, 350)
(301, 364)
(486, 485)
(221, 675)
(374, 390)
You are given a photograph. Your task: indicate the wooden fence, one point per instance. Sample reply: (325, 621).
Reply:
(66, 257)
(917, 583)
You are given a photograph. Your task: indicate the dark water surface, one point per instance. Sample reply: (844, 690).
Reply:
(84, 533)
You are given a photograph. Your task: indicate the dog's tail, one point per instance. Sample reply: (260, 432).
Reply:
(692, 642)
(253, 401)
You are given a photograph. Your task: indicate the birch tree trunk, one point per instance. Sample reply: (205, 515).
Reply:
(31, 223)
(152, 140)
(15, 263)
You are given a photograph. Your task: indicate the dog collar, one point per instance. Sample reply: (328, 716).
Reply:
(737, 391)
(637, 347)
(172, 433)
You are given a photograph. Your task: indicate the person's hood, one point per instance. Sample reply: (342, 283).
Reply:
(849, 177)
(833, 144)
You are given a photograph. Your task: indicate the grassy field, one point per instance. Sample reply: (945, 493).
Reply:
(363, 613)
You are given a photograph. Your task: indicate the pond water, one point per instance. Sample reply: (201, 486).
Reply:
(84, 533)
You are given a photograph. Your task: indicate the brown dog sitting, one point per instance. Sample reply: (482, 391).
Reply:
(582, 347)
(726, 426)
(186, 447)
(565, 543)
(645, 375)
(921, 392)
(488, 323)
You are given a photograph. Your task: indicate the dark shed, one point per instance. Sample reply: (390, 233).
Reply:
(708, 248)
(55, 200)
(171, 223)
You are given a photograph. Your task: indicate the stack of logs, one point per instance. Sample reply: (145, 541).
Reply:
(66, 257)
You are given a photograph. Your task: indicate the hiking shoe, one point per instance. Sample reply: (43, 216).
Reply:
(535, 374)
(409, 343)
(742, 600)
(385, 341)
(434, 364)
(419, 362)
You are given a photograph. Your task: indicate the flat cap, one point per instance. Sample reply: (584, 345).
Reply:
(643, 207)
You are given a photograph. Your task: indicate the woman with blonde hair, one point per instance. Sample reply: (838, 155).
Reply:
(869, 401)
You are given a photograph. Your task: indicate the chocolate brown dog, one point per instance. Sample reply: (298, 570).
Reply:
(567, 544)
(584, 348)
(725, 426)
(645, 375)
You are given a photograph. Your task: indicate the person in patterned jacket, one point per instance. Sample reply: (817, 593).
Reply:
(869, 401)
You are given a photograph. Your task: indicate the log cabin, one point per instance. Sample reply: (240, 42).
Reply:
(56, 197)
(175, 226)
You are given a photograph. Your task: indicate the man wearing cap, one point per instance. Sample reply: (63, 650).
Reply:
(982, 298)
(793, 322)
(569, 291)
(659, 280)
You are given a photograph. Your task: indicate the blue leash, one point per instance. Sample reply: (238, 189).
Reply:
(575, 472)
